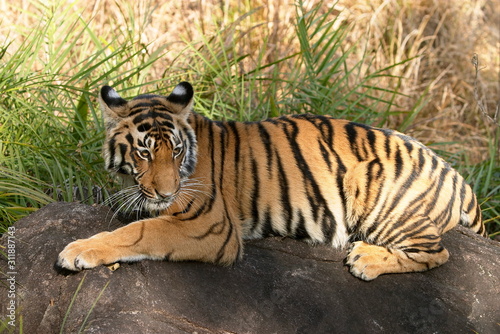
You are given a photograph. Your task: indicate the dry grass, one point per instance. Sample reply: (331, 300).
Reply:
(442, 35)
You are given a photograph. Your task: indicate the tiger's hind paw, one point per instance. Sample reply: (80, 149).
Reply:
(366, 261)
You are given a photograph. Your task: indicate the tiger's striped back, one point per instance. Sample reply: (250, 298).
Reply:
(326, 180)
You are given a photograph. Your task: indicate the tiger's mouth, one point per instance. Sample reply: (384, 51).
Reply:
(154, 200)
(155, 204)
(137, 198)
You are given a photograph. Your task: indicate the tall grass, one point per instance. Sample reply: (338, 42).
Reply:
(51, 130)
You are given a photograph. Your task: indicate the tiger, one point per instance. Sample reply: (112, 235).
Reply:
(209, 185)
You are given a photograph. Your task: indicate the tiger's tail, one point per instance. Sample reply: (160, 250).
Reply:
(471, 215)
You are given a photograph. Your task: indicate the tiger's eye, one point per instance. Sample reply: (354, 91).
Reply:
(177, 151)
(144, 154)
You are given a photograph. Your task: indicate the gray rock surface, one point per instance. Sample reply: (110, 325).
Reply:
(280, 286)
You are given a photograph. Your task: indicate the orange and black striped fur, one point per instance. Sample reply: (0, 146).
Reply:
(214, 184)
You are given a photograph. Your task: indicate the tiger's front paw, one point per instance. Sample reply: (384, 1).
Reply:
(367, 261)
(85, 254)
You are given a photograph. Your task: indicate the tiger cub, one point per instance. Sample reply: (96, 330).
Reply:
(214, 184)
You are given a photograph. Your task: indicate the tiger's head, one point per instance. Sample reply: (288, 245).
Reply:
(149, 142)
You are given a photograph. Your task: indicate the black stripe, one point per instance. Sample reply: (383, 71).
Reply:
(266, 141)
(463, 192)
(325, 155)
(472, 202)
(286, 206)
(267, 227)
(407, 232)
(418, 202)
(383, 216)
(163, 110)
(477, 220)
(372, 140)
(405, 187)
(144, 104)
(151, 115)
(255, 195)
(425, 250)
(409, 147)
(434, 162)
(445, 215)
(222, 249)
(326, 129)
(211, 230)
(236, 148)
(207, 205)
(421, 158)
(190, 159)
(368, 187)
(123, 151)
(141, 235)
(301, 229)
(147, 105)
(211, 149)
(370, 177)
(186, 208)
(236, 137)
(340, 174)
(388, 144)
(314, 196)
(144, 127)
(322, 123)
(222, 149)
(439, 187)
(137, 110)
(111, 153)
(352, 136)
(165, 124)
(130, 139)
(398, 163)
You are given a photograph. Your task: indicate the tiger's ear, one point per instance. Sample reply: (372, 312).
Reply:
(182, 97)
(113, 106)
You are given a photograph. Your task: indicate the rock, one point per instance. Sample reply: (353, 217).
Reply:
(280, 286)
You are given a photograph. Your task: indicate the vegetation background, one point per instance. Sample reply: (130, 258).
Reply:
(430, 68)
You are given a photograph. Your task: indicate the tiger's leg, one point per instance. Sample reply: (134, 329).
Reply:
(420, 252)
(156, 238)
